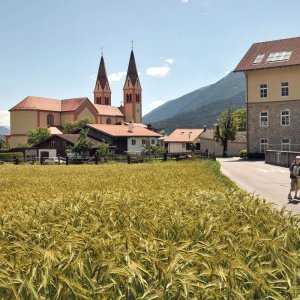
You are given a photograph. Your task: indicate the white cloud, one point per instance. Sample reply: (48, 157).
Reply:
(154, 104)
(158, 72)
(93, 77)
(116, 76)
(170, 61)
(184, 1)
(4, 118)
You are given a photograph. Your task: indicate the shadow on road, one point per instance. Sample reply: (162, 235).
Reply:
(294, 201)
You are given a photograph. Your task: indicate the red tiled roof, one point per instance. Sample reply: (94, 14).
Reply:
(266, 48)
(122, 130)
(182, 135)
(40, 103)
(107, 110)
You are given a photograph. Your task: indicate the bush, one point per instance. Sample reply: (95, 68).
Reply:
(243, 153)
(10, 156)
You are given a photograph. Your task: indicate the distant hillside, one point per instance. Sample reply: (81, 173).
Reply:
(3, 131)
(201, 107)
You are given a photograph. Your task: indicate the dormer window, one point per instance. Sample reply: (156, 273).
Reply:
(258, 59)
(279, 56)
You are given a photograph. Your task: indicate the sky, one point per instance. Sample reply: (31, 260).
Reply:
(53, 48)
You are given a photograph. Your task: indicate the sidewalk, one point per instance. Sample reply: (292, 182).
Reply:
(263, 180)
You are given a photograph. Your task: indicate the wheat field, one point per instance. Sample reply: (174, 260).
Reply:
(148, 231)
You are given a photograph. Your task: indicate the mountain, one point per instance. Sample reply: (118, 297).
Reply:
(3, 131)
(200, 107)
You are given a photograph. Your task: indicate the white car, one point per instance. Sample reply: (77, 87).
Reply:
(54, 161)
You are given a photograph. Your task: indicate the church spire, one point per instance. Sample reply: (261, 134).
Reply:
(102, 93)
(132, 93)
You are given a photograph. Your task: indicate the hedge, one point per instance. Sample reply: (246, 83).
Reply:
(10, 156)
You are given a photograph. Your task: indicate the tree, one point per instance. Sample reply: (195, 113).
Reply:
(103, 151)
(70, 127)
(36, 136)
(3, 146)
(149, 149)
(241, 118)
(83, 144)
(226, 129)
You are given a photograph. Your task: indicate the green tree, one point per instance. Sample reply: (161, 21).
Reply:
(241, 118)
(149, 149)
(70, 127)
(226, 129)
(3, 145)
(103, 151)
(38, 135)
(83, 144)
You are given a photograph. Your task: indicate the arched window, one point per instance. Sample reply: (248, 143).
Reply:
(130, 97)
(137, 98)
(98, 100)
(108, 121)
(50, 120)
(127, 97)
(106, 100)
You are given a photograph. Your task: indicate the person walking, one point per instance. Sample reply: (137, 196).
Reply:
(294, 173)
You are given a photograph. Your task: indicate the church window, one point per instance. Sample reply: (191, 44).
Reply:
(98, 100)
(98, 86)
(108, 121)
(130, 97)
(137, 97)
(128, 82)
(106, 100)
(50, 120)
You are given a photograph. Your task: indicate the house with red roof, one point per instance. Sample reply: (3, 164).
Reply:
(34, 112)
(272, 73)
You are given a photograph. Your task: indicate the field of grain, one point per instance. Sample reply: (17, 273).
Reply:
(148, 231)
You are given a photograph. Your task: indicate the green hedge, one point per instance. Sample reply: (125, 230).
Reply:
(10, 156)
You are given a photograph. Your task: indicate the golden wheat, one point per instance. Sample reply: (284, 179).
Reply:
(150, 231)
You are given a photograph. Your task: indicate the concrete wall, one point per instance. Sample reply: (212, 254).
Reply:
(16, 140)
(86, 113)
(280, 158)
(177, 148)
(138, 143)
(234, 148)
(67, 117)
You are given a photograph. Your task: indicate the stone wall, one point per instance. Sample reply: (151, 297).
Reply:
(274, 132)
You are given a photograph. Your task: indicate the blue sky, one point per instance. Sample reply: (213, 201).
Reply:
(52, 48)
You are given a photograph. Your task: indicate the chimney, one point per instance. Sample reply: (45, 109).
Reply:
(131, 126)
(204, 128)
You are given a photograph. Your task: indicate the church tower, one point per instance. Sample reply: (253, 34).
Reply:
(102, 92)
(132, 96)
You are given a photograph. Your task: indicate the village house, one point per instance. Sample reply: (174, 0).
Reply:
(272, 71)
(34, 112)
(123, 138)
(179, 141)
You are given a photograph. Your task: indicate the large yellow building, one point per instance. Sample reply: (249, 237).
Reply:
(35, 112)
(272, 71)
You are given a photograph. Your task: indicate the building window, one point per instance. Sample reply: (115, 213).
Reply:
(98, 86)
(98, 100)
(285, 117)
(106, 99)
(52, 144)
(285, 144)
(279, 56)
(128, 82)
(263, 145)
(153, 142)
(263, 91)
(128, 98)
(258, 59)
(183, 145)
(133, 142)
(284, 89)
(50, 120)
(143, 142)
(264, 119)
(108, 121)
(64, 144)
(137, 97)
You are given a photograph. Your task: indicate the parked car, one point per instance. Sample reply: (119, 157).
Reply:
(54, 161)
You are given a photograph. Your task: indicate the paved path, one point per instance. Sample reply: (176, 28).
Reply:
(267, 181)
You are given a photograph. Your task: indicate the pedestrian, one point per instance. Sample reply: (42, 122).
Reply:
(294, 172)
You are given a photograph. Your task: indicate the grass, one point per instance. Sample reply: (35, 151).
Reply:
(147, 231)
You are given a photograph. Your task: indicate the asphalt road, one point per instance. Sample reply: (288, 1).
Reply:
(263, 180)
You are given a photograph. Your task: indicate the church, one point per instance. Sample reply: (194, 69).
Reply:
(34, 112)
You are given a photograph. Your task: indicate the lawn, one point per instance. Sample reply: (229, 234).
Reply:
(147, 231)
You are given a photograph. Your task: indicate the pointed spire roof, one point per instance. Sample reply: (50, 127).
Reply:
(102, 76)
(132, 70)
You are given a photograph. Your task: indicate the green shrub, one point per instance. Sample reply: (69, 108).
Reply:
(243, 153)
(10, 156)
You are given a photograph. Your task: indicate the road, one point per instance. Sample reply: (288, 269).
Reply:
(263, 180)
